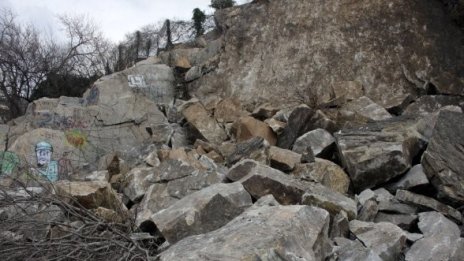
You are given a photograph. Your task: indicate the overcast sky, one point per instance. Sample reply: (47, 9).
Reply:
(115, 17)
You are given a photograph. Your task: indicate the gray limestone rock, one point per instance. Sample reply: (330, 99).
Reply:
(352, 250)
(261, 233)
(299, 122)
(395, 207)
(260, 180)
(441, 238)
(339, 51)
(172, 181)
(324, 172)
(339, 226)
(428, 203)
(282, 159)
(364, 109)
(377, 152)
(443, 161)
(413, 178)
(368, 211)
(137, 182)
(385, 239)
(256, 148)
(428, 104)
(202, 211)
(404, 221)
(320, 141)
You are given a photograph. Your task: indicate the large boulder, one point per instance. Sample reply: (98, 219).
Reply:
(325, 172)
(379, 151)
(89, 194)
(443, 161)
(172, 180)
(428, 104)
(320, 141)
(441, 238)
(197, 115)
(428, 203)
(385, 239)
(274, 50)
(282, 159)
(249, 127)
(299, 122)
(118, 113)
(262, 233)
(202, 211)
(260, 180)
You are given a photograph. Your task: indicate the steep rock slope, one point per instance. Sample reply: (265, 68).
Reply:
(277, 50)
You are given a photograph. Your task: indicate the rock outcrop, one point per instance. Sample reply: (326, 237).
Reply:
(378, 44)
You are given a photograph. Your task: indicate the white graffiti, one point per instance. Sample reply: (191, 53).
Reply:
(136, 81)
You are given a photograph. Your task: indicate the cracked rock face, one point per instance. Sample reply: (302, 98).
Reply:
(261, 233)
(118, 113)
(202, 211)
(378, 44)
(443, 161)
(377, 152)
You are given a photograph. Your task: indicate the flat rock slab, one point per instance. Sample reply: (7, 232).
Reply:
(441, 239)
(89, 194)
(377, 152)
(443, 161)
(324, 172)
(196, 114)
(202, 211)
(385, 239)
(413, 178)
(320, 141)
(260, 180)
(282, 159)
(354, 250)
(261, 233)
(428, 203)
(428, 104)
(249, 127)
(172, 181)
(364, 109)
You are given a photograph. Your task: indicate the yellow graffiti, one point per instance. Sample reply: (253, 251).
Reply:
(76, 138)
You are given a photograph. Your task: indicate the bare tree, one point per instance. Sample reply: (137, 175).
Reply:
(27, 58)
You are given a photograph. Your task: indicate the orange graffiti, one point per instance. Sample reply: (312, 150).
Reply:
(76, 138)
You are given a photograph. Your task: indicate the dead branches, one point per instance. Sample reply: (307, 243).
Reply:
(39, 225)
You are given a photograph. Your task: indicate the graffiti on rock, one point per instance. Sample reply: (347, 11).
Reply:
(9, 161)
(46, 166)
(53, 120)
(136, 81)
(93, 96)
(76, 138)
(65, 168)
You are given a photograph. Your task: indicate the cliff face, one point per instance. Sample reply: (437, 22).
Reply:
(275, 50)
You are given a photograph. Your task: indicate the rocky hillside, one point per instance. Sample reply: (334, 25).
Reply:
(297, 130)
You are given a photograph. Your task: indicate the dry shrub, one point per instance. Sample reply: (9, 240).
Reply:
(36, 224)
